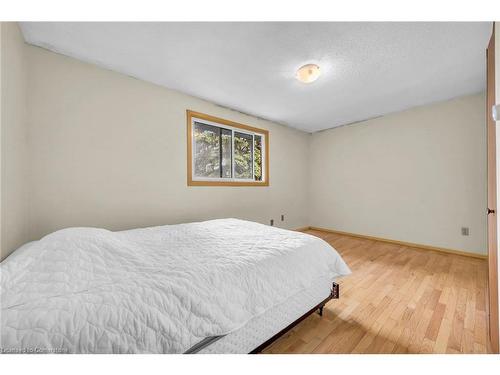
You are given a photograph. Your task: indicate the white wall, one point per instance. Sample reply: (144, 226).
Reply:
(14, 156)
(108, 150)
(416, 176)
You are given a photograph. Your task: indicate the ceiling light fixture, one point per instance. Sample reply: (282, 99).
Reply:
(308, 73)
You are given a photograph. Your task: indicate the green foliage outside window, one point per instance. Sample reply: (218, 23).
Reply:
(209, 160)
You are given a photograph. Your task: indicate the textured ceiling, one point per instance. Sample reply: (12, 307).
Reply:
(368, 69)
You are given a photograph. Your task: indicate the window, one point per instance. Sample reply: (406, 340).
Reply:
(222, 152)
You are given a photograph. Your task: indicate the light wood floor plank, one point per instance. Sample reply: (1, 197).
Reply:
(398, 299)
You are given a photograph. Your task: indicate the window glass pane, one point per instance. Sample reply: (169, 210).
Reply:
(227, 145)
(216, 155)
(257, 163)
(243, 153)
(206, 150)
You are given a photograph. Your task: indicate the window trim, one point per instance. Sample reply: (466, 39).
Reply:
(191, 116)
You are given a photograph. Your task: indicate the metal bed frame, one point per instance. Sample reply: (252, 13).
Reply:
(334, 294)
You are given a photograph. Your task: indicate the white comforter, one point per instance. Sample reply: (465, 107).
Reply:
(152, 290)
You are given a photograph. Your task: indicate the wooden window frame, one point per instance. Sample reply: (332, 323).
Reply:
(190, 115)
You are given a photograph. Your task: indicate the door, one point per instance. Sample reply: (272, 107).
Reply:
(492, 198)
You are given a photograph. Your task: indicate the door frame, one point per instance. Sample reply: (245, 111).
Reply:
(492, 197)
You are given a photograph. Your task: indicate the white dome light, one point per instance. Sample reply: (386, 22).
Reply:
(308, 73)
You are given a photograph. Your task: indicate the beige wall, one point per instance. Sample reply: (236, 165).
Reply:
(108, 150)
(1, 131)
(415, 176)
(14, 156)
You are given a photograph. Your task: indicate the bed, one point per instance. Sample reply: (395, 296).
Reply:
(219, 286)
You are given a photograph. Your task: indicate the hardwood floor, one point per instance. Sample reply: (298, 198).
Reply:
(397, 300)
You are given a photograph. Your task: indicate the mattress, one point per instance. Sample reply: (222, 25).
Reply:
(263, 327)
(156, 290)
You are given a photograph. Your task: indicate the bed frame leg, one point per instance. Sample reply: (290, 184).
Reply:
(320, 310)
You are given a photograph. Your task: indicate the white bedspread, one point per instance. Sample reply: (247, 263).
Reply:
(152, 290)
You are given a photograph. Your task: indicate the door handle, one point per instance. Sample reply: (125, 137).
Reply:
(490, 211)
